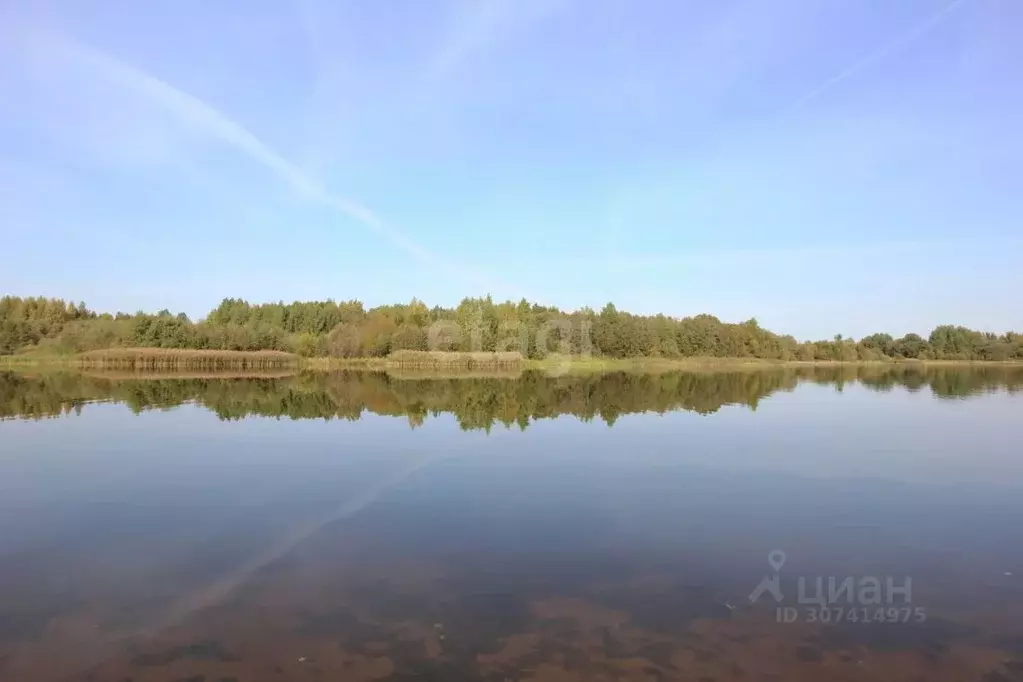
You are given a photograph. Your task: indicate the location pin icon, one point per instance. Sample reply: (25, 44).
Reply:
(776, 559)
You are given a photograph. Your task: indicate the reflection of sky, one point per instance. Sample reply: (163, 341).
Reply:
(817, 432)
(188, 456)
(200, 504)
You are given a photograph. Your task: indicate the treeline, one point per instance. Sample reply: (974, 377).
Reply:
(477, 402)
(347, 329)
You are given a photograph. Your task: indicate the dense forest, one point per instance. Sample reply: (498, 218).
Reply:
(347, 329)
(476, 402)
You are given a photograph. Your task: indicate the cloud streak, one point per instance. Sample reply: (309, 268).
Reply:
(915, 33)
(781, 257)
(208, 120)
(482, 24)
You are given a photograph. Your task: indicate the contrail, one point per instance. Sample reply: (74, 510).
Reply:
(218, 590)
(906, 38)
(216, 124)
(106, 644)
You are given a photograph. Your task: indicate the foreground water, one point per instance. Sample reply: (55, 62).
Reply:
(855, 524)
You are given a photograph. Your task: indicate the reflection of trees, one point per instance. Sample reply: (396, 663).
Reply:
(477, 402)
(945, 381)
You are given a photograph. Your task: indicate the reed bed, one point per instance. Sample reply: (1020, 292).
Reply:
(422, 359)
(151, 359)
(331, 364)
(117, 374)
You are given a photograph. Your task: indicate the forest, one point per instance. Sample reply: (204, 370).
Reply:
(347, 329)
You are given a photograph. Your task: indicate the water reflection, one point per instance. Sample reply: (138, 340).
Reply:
(477, 402)
(330, 541)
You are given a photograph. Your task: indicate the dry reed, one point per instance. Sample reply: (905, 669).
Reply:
(174, 358)
(421, 359)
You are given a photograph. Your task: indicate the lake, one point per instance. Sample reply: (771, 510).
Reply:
(851, 523)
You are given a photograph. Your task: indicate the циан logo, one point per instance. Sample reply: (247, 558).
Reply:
(865, 599)
(772, 584)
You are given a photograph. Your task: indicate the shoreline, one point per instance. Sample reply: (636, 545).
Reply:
(130, 361)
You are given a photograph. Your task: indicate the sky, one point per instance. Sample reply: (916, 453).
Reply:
(826, 166)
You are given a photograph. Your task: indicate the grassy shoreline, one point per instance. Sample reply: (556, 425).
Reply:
(693, 363)
(128, 360)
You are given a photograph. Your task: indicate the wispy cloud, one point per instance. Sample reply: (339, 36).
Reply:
(880, 54)
(204, 119)
(332, 98)
(479, 24)
(782, 257)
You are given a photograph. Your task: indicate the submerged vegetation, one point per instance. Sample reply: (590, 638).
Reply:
(48, 327)
(479, 402)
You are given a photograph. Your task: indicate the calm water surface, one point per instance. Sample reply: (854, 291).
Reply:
(612, 527)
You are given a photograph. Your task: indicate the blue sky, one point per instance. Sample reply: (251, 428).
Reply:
(827, 166)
